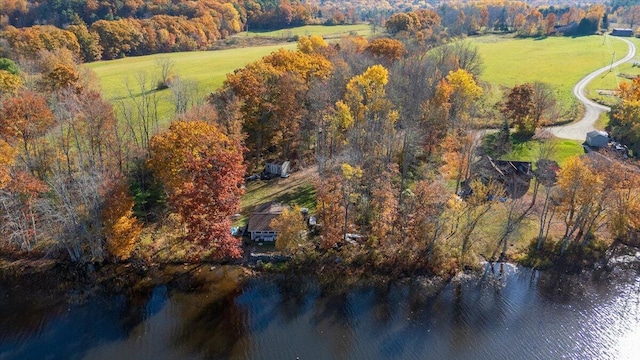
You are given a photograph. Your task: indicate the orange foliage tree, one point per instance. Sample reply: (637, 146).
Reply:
(389, 50)
(25, 118)
(329, 189)
(202, 171)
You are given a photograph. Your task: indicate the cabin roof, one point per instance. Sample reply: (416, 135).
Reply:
(260, 219)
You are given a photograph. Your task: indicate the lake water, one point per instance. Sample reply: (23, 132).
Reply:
(519, 314)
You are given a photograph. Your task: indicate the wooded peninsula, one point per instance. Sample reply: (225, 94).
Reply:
(386, 154)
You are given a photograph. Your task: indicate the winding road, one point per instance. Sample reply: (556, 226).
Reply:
(592, 110)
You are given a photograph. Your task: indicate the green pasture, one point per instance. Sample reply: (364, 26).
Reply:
(324, 31)
(558, 61)
(207, 68)
(562, 149)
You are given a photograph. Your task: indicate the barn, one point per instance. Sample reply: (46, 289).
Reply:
(622, 32)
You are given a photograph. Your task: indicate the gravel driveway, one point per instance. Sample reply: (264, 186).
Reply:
(578, 130)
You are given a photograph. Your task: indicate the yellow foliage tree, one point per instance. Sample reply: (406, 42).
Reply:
(230, 19)
(313, 44)
(367, 111)
(465, 92)
(291, 229)
(7, 158)
(580, 195)
(121, 228)
(9, 83)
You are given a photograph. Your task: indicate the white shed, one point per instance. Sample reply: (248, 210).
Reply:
(277, 167)
(597, 138)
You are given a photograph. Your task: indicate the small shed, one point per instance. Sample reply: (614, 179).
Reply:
(259, 227)
(622, 32)
(277, 167)
(597, 139)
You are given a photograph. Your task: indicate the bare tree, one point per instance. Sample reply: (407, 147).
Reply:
(74, 211)
(17, 223)
(184, 94)
(409, 96)
(166, 66)
(546, 176)
(544, 103)
(465, 216)
(141, 119)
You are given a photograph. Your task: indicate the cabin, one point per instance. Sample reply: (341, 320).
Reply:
(515, 176)
(622, 32)
(597, 139)
(259, 227)
(277, 168)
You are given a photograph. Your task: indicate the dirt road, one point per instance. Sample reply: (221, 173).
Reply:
(592, 110)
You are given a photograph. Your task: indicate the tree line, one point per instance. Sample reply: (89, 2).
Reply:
(103, 30)
(263, 14)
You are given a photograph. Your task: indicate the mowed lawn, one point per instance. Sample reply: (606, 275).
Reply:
(324, 31)
(562, 149)
(558, 61)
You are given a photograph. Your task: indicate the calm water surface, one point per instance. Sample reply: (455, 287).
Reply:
(521, 314)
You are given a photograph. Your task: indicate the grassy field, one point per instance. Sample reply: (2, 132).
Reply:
(563, 149)
(558, 61)
(325, 31)
(207, 68)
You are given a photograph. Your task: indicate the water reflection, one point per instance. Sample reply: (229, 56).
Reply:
(516, 313)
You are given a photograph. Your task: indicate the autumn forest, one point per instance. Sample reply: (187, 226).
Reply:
(405, 144)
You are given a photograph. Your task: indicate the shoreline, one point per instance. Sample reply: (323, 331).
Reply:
(92, 278)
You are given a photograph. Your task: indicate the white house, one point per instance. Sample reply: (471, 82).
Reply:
(259, 228)
(597, 138)
(277, 167)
